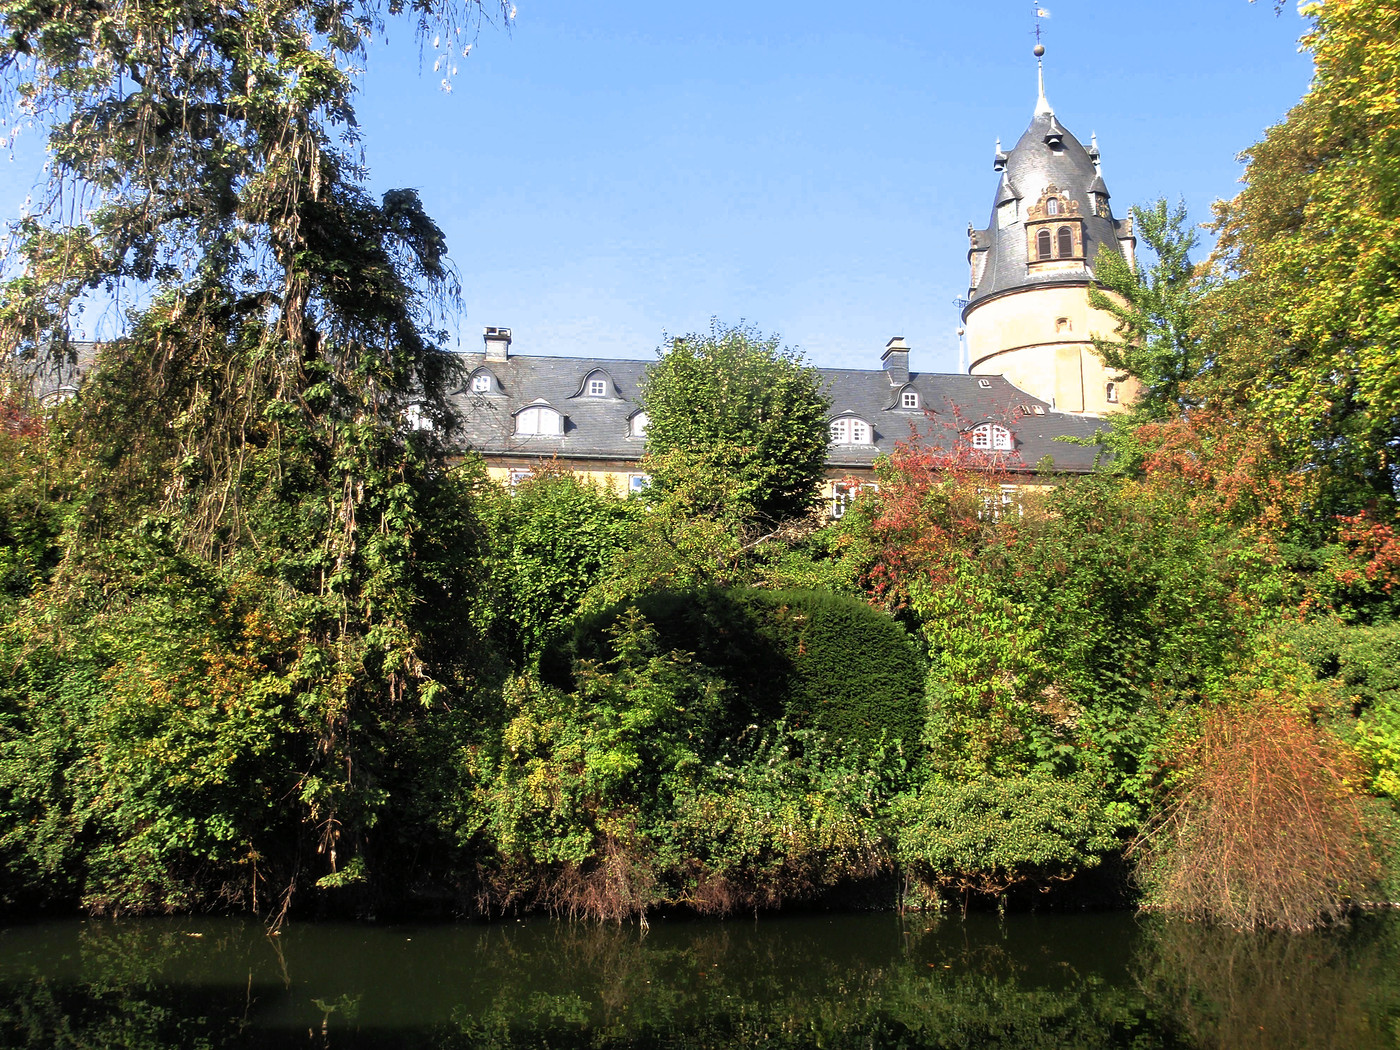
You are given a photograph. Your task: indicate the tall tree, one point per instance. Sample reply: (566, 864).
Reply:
(739, 423)
(254, 428)
(1155, 340)
(1304, 326)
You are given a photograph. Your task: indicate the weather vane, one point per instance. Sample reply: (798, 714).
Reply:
(1040, 13)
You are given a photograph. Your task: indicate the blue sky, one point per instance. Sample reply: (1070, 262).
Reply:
(610, 172)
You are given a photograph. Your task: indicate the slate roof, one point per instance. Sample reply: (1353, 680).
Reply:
(597, 428)
(1030, 168)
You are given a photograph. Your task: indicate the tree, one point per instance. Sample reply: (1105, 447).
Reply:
(1155, 310)
(738, 424)
(247, 432)
(1304, 325)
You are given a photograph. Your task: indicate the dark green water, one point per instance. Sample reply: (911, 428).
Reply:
(820, 981)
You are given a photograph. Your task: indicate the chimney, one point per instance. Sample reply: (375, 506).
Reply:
(497, 343)
(896, 360)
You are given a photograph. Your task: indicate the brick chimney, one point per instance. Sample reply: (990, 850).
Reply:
(497, 343)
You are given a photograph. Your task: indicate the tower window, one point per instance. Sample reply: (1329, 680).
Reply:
(1063, 324)
(1052, 206)
(1111, 393)
(1042, 244)
(1066, 245)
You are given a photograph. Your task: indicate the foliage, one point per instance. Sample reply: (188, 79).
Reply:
(988, 835)
(1155, 340)
(1064, 630)
(1302, 324)
(737, 426)
(1261, 826)
(552, 539)
(818, 660)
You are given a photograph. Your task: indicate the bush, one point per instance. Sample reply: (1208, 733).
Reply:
(1261, 827)
(816, 659)
(992, 834)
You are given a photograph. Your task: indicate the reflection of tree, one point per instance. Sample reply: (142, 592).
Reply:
(1228, 989)
(836, 982)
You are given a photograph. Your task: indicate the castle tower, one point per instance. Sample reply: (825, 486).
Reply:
(1028, 315)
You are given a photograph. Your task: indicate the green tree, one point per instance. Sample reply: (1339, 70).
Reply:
(1304, 326)
(248, 433)
(1155, 340)
(737, 426)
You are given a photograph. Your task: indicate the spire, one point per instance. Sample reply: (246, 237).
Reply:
(1042, 107)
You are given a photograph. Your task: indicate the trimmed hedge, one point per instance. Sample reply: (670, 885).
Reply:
(817, 659)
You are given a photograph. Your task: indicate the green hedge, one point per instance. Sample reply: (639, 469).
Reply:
(817, 659)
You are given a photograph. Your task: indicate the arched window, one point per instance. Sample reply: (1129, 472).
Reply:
(1111, 393)
(1042, 244)
(850, 431)
(1052, 206)
(1066, 245)
(992, 437)
(538, 420)
(637, 426)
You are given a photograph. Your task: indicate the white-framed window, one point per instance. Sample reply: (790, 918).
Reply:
(850, 431)
(481, 383)
(597, 387)
(1052, 206)
(637, 425)
(416, 418)
(992, 437)
(844, 492)
(1111, 393)
(538, 420)
(517, 475)
(638, 482)
(996, 501)
(909, 399)
(985, 384)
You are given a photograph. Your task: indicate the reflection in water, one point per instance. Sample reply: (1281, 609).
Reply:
(831, 981)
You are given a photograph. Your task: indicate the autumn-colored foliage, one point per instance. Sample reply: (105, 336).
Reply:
(1263, 827)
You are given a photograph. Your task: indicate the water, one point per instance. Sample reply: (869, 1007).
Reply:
(1061, 981)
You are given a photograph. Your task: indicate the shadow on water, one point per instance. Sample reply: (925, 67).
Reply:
(832, 981)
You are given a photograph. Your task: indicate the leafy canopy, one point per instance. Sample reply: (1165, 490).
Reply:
(738, 423)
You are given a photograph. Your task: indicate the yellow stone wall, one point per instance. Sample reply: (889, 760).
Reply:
(1039, 338)
(615, 477)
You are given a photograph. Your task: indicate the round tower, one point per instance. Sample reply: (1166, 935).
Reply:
(1028, 315)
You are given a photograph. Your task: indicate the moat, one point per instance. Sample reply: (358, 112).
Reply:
(1109, 980)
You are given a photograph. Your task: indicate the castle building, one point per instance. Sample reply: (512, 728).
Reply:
(1034, 378)
(1028, 316)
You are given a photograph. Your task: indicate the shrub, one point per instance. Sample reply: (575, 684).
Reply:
(989, 835)
(1261, 827)
(816, 659)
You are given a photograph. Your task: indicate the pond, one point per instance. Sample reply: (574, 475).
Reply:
(1053, 981)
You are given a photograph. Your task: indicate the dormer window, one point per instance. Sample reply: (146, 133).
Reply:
(848, 430)
(538, 421)
(991, 437)
(909, 399)
(637, 425)
(1052, 206)
(481, 383)
(597, 387)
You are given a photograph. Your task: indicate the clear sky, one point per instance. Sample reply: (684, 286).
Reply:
(608, 172)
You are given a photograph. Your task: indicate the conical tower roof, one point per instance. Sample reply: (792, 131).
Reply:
(1047, 155)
